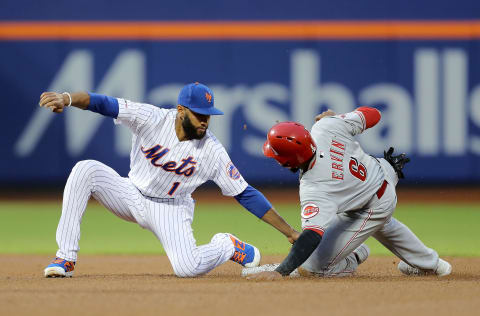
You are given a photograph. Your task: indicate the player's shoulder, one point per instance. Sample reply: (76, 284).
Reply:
(161, 115)
(211, 142)
(211, 139)
(147, 107)
(324, 125)
(167, 113)
(329, 120)
(330, 125)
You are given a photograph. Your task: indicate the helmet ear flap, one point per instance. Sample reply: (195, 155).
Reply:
(290, 144)
(268, 151)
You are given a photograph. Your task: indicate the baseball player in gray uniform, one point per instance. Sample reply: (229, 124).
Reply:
(346, 196)
(173, 153)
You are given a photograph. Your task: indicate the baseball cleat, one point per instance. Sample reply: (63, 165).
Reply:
(60, 268)
(361, 253)
(262, 268)
(443, 269)
(266, 267)
(245, 254)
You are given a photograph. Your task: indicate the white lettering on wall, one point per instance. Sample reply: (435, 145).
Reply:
(75, 74)
(412, 121)
(426, 82)
(455, 101)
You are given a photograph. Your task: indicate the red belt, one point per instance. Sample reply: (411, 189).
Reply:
(382, 189)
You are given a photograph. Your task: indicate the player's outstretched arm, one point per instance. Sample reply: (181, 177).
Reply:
(256, 203)
(56, 102)
(97, 103)
(357, 121)
(273, 218)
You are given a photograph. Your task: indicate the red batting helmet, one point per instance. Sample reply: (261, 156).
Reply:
(290, 144)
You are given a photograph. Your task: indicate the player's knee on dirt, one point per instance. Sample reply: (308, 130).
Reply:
(194, 265)
(184, 268)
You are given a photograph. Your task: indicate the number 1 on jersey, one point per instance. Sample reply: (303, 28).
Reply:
(174, 188)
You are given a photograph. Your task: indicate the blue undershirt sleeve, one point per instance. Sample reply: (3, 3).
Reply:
(103, 104)
(254, 201)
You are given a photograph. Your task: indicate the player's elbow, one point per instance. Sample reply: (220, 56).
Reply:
(372, 116)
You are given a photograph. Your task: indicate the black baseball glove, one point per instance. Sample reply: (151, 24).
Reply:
(397, 162)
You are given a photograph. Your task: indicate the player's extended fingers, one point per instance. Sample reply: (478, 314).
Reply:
(55, 103)
(44, 95)
(57, 110)
(49, 96)
(44, 99)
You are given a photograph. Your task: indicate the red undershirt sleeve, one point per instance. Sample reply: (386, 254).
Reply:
(372, 116)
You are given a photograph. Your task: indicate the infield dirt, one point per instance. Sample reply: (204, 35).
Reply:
(145, 285)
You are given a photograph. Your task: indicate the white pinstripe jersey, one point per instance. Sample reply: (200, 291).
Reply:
(343, 177)
(163, 167)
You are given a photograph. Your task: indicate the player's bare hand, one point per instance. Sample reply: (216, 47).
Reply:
(265, 276)
(53, 101)
(324, 114)
(293, 237)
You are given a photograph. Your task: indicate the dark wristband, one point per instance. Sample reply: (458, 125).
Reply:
(301, 250)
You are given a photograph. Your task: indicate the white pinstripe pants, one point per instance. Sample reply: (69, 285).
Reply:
(169, 219)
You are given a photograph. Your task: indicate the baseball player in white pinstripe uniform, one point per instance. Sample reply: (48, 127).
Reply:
(173, 153)
(346, 197)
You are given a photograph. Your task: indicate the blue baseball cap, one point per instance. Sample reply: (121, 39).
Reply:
(198, 98)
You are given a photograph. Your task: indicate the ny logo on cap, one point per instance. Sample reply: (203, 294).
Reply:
(208, 96)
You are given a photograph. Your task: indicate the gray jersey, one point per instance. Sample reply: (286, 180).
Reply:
(348, 196)
(343, 177)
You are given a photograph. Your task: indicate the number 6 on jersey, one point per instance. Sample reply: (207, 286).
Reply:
(357, 169)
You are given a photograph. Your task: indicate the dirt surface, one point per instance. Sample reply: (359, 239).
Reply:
(145, 285)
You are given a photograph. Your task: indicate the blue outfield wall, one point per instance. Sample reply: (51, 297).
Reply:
(428, 91)
(237, 10)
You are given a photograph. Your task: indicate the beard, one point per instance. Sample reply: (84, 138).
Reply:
(190, 130)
